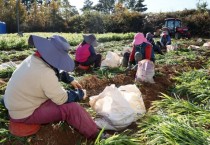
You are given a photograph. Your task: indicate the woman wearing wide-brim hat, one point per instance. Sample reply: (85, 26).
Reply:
(34, 94)
(85, 52)
(141, 49)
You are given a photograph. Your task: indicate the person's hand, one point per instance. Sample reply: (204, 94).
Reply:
(85, 94)
(76, 85)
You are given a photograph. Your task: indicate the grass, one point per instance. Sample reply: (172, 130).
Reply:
(109, 72)
(176, 57)
(3, 88)
(195, 84)
(177, 107)
(14, 55)
(160, 129)
(7, 73)
(116, 139)
(12, 41)
(175, 121)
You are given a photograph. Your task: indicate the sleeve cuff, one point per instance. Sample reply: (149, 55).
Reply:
(75, 96)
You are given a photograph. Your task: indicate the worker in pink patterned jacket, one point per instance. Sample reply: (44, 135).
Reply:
(85, 52)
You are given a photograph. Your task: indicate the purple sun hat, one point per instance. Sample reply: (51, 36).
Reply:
(90, 39)
(54, 50)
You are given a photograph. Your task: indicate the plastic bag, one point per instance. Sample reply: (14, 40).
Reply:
(9, 64)
(172, 47)
(145, 71)
(207, 45)
(132, 94)
(193, 47)
(112, 60)
(117, 107)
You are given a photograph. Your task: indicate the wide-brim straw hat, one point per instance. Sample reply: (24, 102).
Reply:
(54, 50)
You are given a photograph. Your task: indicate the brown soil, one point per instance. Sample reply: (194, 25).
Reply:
(150, 92)
(94, 85)
(56, 134)
(2, 82)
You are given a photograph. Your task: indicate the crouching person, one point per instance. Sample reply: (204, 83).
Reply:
(155, 47)
(34, 94)
(85, 52)
(142, 49)
(165, 40)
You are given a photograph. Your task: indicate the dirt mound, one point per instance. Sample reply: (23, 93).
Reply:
(150, 92)
(57, 134)
(95, 85)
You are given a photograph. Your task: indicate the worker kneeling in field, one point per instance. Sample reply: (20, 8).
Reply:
(165, 39)
(142, 49)
(34, 94)
(155, 47)
(85, 52)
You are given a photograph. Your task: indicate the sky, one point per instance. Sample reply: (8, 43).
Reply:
(155, 5)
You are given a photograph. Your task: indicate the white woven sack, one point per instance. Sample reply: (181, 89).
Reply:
(112, 60)
(117, 107)
(171, 47)
(207, 45)
(193, 47)
(145, 71)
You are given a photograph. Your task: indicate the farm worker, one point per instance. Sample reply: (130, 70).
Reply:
(165, 39)
(34, 94)
(85, 52)
(150, 39)
(141, 49)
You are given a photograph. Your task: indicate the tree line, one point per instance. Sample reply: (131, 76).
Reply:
(106, 16)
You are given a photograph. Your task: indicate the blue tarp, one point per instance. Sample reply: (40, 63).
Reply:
(2, 28)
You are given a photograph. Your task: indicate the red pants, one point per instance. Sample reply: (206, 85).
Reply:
(73, 113)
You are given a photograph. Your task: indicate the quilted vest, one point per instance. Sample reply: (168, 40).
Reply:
(82, 53)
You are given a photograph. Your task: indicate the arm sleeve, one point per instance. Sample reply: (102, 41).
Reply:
(169, 40)
(74, 96)
(152, 41)
(161, 41)
(92, 50)
(131, 57)
(52, 88)
(65, 77)
(148, 52)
